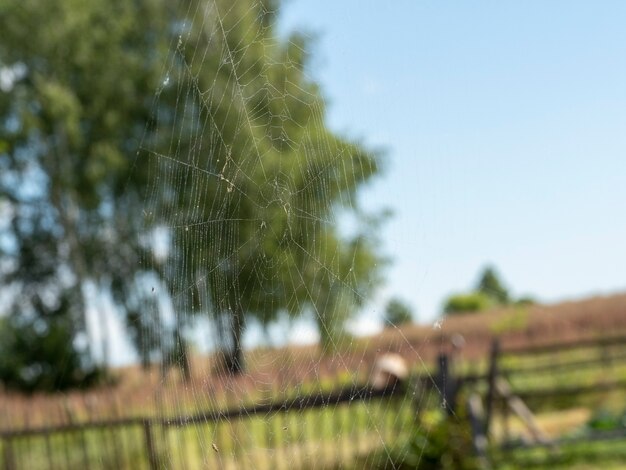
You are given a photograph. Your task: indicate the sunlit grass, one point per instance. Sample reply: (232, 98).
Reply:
(312, 438)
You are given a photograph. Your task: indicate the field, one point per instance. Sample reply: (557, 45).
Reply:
(335, 435)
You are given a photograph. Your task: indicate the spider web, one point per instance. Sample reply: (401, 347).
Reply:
(247, 208)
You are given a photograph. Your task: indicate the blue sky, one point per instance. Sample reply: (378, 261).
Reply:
(505, 130)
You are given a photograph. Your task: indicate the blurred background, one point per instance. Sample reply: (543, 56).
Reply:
(405, 216)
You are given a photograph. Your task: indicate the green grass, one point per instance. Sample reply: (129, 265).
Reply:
(94, 448)
(314, 438)
(581, 455)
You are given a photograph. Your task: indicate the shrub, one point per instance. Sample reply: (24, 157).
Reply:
(40, 355)
(438, 442)
(467, 303)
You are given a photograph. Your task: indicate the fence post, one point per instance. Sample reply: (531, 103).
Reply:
(506, 432)
(152, 458)
(9, 460)
(491, 390)
(479, 440)
(447, 383)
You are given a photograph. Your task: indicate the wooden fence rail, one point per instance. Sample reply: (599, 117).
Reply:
(118, 442)
(312, 401)
(554, 366)
(560, 346)
(499, 391)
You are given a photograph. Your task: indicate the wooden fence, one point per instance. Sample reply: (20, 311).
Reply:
(313, 431)
(501, 396)
(316, 430)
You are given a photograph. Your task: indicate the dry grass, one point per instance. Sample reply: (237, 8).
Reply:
(555, 423)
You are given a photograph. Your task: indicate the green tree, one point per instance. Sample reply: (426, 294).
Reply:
(491, 285)
(397, 313)
(126, 119)
(270, 179)
(74, 106)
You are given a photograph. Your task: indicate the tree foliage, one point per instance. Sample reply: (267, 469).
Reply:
(72, 115)
(122, 120)
(256, 233)
(37, 351)
(467, 303)
(490, 292)
(490, 285)
(397, 313)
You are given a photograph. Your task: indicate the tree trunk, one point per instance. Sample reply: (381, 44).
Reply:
(327, 323)
(233, 358)
(145, 361)
(182, 356)
(63, 200)
(104, 328)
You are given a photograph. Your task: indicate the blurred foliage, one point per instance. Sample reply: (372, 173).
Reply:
(397, 313)
(464, 303)
(489, 292)
(256, 233)
(491, 286)
(73, 111)
(38, 353)
(125, 122)
(606, 420)
(525, 301)
(438, 441)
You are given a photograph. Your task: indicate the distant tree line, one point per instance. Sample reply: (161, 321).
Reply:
(488, 293)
